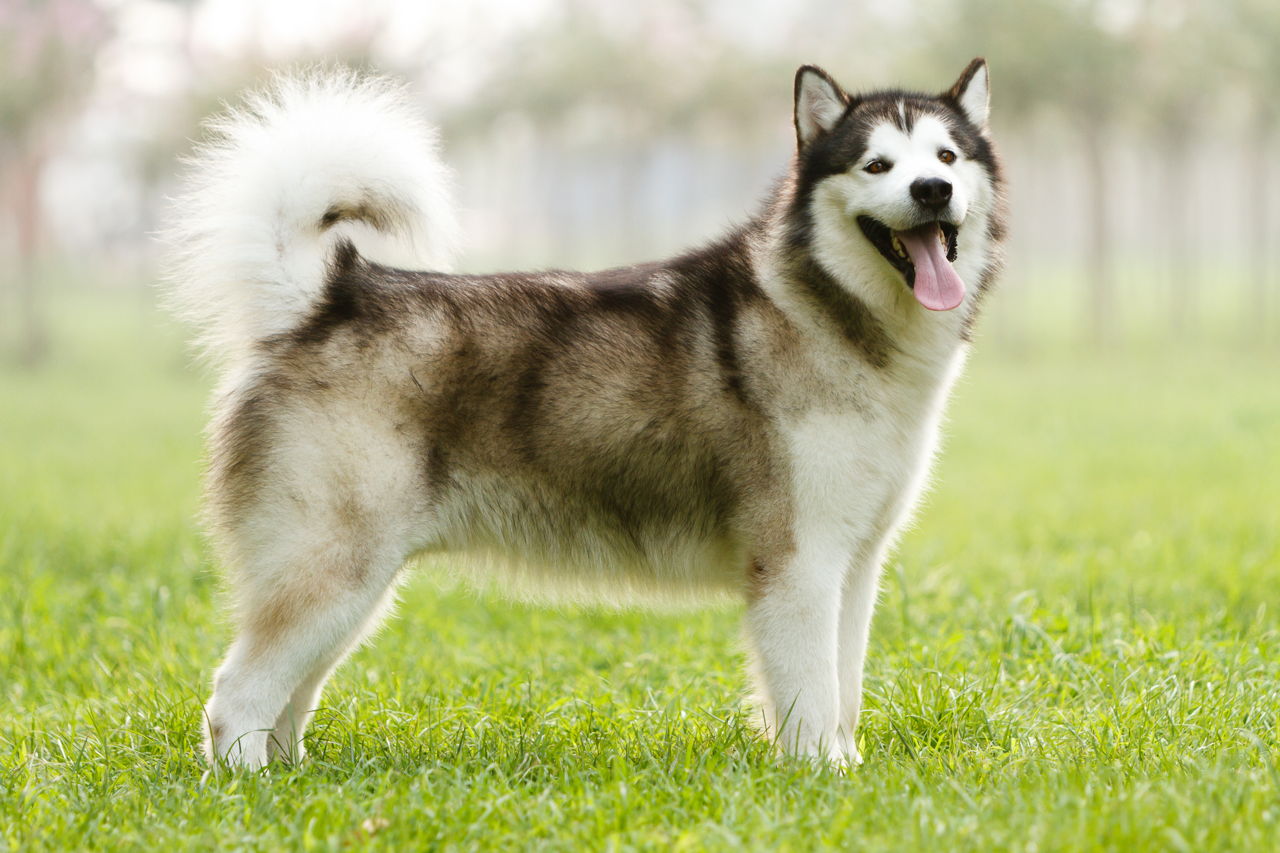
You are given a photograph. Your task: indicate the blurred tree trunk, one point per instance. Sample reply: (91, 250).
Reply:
(33, 335)
(1177, 228)
(1258, 175)
(48, 52)
(1098, 263)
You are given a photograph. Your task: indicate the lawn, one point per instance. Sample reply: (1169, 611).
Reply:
(1077, 645)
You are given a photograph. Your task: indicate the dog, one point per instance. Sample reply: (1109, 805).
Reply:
(756, 416)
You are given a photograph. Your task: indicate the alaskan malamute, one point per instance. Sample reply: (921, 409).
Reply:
(755, 416)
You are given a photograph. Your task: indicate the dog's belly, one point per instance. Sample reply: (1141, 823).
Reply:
(534, 538)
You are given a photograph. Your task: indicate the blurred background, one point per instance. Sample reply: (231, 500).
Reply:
(1138, 136)
(1082, 631)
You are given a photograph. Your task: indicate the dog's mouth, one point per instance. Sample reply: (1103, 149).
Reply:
(924, 255)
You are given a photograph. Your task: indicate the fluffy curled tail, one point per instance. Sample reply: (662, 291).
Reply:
(312, 160)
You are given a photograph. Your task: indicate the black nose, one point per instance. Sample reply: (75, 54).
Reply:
(931, 192)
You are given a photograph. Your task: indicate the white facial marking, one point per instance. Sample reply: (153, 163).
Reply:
(914, 155)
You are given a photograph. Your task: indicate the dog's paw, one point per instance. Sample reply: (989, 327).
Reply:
(844, 754)
(282, 751)
(248, 752)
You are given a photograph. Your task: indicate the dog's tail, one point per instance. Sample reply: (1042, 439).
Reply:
(314, 160)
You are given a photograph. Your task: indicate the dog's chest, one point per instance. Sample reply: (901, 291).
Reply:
(856, 468)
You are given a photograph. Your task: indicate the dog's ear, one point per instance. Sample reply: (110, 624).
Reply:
(972, 93)
(819, 104)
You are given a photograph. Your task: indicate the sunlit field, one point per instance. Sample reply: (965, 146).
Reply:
(1077, 647)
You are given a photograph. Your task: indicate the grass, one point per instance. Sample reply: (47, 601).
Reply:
(1076, 648)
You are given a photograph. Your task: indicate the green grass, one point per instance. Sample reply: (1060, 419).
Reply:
(1077, 646)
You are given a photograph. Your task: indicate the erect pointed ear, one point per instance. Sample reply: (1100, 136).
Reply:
(973, 93)
(819, 104)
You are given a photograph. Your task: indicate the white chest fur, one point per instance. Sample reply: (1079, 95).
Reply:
(858, 470)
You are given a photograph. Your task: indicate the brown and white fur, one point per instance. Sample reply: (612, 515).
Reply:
(756, 416)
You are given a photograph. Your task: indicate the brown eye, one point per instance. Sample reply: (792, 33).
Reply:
(875, 167)
(947, 156)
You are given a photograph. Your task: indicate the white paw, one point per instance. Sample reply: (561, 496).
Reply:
(286, 748)
(248, 751)
(845, 760)
(844, 753)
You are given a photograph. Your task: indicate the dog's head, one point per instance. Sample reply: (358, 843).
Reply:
(898, 186)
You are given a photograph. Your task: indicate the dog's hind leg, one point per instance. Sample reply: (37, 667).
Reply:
(285, 742)
(300, 609)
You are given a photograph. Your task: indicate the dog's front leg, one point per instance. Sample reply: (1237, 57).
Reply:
(858, 600)
(792, 621)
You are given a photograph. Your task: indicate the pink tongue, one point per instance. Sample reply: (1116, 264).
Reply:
(937, 286)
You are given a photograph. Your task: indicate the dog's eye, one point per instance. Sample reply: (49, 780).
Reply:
(875, 167)
(947, 156)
